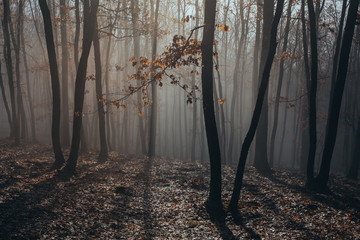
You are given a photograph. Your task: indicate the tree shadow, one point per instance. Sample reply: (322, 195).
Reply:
(25, 210)
(270, 204)
(147, 217)
(336, 196)
(224, 231)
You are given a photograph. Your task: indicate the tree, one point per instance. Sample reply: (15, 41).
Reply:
(5, 102)
(29, 95)
(101, 113)
(153, 119)
(9, 68)
(261, 159)
(336, 98)
(355, 163)
(281, 77)
(65, 136)
(312, 93)
(213, 205)
(89, 29)
(55, 85)
(305, 134)
(257, 112)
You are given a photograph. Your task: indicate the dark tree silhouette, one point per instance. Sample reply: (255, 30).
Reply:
(55, 85)
(65, 133)
(214, 205)
(89, 29)
(312, 93)
(261, 155)
(257, 111)
(336, 98)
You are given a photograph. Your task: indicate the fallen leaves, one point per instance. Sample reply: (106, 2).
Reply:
(137, 198)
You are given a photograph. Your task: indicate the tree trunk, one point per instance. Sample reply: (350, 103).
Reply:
(32, 118)
(355, 163)
(278, 91)
(336, 98)
(99, 96)
(313, 93)
(195, 104)
(55, 85)
(214, 205)
(261, 159)
(257, 111)
(153, 118)
(5, 102)
(65, 136)
(89, 29)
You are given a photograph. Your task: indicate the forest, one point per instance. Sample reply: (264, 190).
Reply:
(176, 119)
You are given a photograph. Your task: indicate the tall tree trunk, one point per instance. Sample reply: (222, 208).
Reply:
(195, 104)
(89, 29)
(305, 146)
(257, 111)
(355, 163)
(9, 67)
(135, 18)
(336, 98)
(313, 92)
(99, 96)
(65, 136)
(55, 85)
(153, 119)
(261, 159)
(16, 44)
(278, 91)
(214, 205)
(32, 118)
(5, 102)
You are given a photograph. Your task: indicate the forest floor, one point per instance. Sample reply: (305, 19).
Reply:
(130, 197)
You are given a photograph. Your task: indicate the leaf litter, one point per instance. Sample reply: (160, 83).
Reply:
(134, 197)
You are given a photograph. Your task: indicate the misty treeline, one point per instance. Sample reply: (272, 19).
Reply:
(272, 84)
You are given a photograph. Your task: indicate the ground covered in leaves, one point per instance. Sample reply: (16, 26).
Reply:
(132, 197)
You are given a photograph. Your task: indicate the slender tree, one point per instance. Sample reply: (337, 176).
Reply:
(261, 155)
(102, 132)
(257, 111)
(9, 67)
(65, 134)
(214, 205)
(336, 97)
(89, 29)
(153, 118)
(55, 85)
(312, 93)
(29, 95)
(280, 83)
(5, 102)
